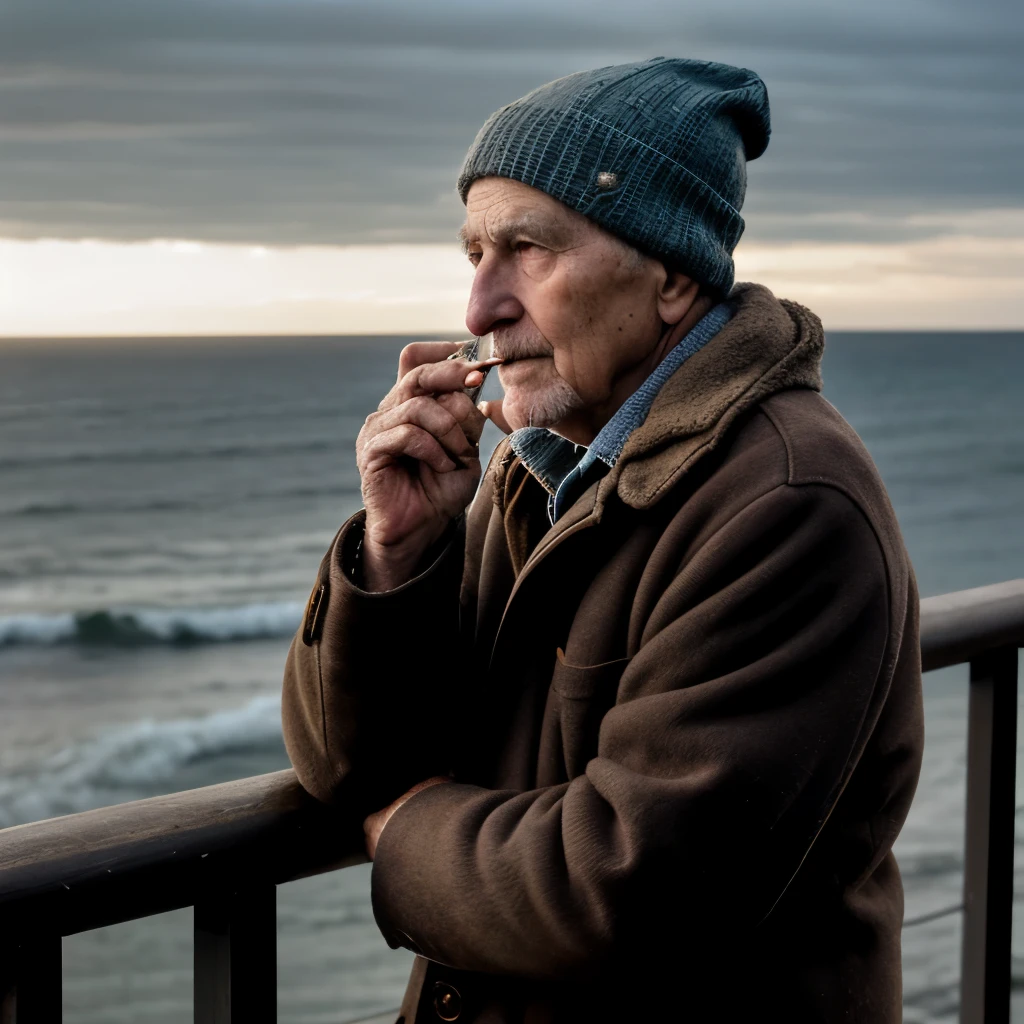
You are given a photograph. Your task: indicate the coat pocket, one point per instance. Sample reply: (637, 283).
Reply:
(582, 682)
(580, 697)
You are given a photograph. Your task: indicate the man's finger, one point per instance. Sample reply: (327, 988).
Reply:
(431, 416)
(492, 410)
(461, 406)
(419, 352)
(433, 379)
(405, 441)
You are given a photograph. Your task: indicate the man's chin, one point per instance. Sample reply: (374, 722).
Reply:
(537, 408)
(521, 410)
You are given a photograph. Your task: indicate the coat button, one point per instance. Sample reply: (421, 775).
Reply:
(447, 1001)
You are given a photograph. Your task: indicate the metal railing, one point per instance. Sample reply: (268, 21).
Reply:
(223, 849)
(984, 627)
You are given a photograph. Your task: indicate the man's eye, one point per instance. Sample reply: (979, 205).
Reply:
(474, 257)
(523, 246)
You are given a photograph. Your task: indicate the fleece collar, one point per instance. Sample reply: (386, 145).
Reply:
(769, 345)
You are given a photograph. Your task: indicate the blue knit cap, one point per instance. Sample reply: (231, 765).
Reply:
(655, 152)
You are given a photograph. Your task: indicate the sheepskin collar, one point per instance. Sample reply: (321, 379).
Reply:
(769, 345)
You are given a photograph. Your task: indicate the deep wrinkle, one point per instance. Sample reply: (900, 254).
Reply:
(523, 225)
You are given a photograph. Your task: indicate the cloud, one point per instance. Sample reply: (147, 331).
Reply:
(323, 121)
(167, 287)
(175, 286)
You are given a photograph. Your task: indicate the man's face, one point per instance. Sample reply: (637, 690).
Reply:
(573, 312)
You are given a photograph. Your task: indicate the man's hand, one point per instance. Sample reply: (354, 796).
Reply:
(374, 824)
(418, 459)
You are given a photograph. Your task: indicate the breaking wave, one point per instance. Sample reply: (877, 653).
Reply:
(135, 761)
(152, 627)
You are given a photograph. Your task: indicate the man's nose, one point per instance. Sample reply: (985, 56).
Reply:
(492, 301)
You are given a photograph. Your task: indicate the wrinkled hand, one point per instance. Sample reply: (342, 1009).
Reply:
(374, 824)
(418, 460)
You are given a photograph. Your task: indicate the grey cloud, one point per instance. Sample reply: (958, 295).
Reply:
(296, 121)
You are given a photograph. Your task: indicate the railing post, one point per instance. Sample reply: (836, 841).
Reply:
(236, 957)
(30, 981)
(989, 839)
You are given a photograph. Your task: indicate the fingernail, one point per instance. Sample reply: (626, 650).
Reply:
(474, 378)
(493, 361)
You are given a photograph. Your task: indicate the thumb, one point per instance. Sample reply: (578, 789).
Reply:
(492, 410)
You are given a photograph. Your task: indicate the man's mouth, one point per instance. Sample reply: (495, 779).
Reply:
(519, 357)
(517, 361)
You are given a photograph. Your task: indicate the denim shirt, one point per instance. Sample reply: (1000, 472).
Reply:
(565, 469)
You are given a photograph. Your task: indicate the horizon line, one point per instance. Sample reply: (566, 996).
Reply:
(436, 335)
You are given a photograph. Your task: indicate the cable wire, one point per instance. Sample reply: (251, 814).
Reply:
(933, 916)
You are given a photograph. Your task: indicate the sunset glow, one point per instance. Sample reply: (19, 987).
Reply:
(85, 288)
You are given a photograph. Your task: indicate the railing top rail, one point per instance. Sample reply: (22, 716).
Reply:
(957, 627)
(145, 857)
(131, 860)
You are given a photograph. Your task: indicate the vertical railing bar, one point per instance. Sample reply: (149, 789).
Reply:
(989, 839)
(31, 981)
(235, 957)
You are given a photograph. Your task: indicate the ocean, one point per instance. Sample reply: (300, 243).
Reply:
(164, 505)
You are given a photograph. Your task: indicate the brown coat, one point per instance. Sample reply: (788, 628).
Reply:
(685, 722)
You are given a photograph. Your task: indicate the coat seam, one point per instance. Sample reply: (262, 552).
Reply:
(849, 767)
(790, 465)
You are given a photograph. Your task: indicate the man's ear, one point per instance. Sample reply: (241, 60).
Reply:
(676, 295)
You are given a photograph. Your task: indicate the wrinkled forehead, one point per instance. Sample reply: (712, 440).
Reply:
(499, 211)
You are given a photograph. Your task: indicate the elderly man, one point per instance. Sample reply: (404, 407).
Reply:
(633, 736)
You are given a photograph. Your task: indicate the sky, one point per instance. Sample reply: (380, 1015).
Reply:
(288, 166)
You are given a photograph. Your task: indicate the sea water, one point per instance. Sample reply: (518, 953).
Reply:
(164, 505)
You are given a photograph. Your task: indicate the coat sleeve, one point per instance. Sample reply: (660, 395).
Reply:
(737, 722)
(359, 701)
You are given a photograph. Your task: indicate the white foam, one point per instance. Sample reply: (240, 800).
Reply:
(252, 621)
(131, 761)
(37, 630)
